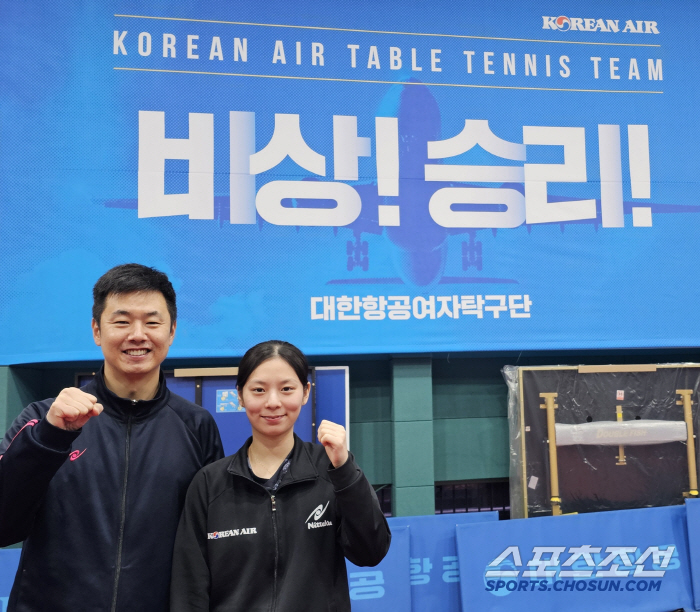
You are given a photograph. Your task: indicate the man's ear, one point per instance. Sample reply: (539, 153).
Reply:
(173, 327)
(96, 333)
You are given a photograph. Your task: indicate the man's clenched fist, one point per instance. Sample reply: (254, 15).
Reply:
(72, 409)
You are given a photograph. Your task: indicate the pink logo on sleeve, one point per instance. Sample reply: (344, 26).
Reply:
(75, 454)
(28, 424)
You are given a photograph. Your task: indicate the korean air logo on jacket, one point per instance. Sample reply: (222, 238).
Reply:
(314, 519)
(231, 533)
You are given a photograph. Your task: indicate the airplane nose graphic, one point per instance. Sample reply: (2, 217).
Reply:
(421, 268)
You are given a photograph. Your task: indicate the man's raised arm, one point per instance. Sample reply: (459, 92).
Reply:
(34, 448)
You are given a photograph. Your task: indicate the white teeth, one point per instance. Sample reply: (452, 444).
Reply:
(136, 352)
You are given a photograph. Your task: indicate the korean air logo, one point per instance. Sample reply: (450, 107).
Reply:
(598, 24)
(562, 23)
(231, 533)
(314, 519)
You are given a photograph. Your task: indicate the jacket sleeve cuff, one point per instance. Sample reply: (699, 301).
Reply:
(53, 437)
(345, 475)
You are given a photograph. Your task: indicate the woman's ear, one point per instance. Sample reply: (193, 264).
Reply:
(307, 391)
(240, 398)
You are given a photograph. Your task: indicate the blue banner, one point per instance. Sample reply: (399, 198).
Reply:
(435, 568)
(624, 560)
(692, 507)
(386, 586)
(9, 561)
(354, 177)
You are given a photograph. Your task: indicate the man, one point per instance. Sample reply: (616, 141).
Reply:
(94, 480)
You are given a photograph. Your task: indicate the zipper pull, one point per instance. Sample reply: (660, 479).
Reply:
(274, 505)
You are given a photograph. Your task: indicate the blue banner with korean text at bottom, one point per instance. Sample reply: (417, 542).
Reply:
(386, 586)
(623, 560)
(643, 560)
(355, 177)
(420, 572)
(435, 568)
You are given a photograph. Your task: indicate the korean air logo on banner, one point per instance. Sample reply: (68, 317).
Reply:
(591, 24)
(580, 568)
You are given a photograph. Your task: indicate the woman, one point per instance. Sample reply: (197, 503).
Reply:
(268, 528)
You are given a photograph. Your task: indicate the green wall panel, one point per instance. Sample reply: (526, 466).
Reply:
(370, 391)
(18, 387)
(412, 390)
(470, 449)
(412, 432)
(469, 388)
(370, 418)
(413, 501)
(413, 453)
(4, 389)
(372, 447)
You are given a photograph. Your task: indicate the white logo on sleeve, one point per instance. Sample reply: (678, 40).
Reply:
(316, 514)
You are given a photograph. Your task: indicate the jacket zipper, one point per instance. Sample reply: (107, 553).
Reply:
(274, 532)
(273, 501)
(122, 519)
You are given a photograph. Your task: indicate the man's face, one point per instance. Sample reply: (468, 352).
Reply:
(135, 333)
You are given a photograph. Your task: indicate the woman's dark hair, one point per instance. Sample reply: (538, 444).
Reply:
(130, 278)
(267, 350)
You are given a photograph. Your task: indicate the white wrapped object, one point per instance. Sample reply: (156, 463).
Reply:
(628, 433)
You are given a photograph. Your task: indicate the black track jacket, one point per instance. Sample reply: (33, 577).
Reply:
(98, 508)
(240, 548)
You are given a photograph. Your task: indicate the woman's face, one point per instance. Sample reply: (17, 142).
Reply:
(272, 397)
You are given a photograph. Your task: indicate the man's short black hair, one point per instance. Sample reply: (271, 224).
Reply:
(130, 278)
